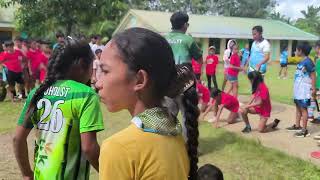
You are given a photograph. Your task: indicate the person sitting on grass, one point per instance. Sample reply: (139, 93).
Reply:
(219, 101)
(303, 89)
(209, 172)
(259, 104)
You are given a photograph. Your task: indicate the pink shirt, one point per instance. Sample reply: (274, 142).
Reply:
(211, 64)
(235, 61)
(230, 102)
(196, 67)
(203, 93)
(43, 59)
(33, 57)
(265, 108)
(13, 61)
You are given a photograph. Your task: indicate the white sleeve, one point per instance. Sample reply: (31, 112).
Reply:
(266, 47)
(226, 55)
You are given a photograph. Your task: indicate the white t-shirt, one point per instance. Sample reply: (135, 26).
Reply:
(95, 47)
(258, 53)
(97, 67)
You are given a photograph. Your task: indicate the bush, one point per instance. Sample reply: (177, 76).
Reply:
(297, 59)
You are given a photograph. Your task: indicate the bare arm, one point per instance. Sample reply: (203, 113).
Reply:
(220, 108)
(91, 148)
(313, 83)
(257, 102)
(20, 147)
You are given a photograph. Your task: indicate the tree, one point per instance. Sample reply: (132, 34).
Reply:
(311, 20)
(280, 17)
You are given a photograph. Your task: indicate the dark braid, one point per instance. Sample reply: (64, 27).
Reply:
(62, 59)
(191, 113)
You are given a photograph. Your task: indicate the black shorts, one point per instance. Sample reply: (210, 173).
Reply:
(284, 65)
(14, 78)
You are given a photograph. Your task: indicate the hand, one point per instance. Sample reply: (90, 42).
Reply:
(28, 177)
(258, 66)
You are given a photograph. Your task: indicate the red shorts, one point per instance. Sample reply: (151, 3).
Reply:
(261, 112)
(234, 108)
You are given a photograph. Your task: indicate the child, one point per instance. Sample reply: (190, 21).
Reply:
(245, 54)
(43, 59)
(233, 71)
(196, 68)
(12, 60)
(259, 104)
(211, 64)
(209, 172)
(204, 95)
(304, 89)
(133, 65)
(226, 58)
(96, 67)
(283, 64)
(219, 101)
(33, 64)
(66, 114)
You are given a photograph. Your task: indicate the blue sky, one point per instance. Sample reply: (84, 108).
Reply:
(292, 8)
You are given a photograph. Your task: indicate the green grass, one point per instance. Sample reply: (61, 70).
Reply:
(280, 90)
(9, 113)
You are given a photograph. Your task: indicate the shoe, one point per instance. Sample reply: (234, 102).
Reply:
(302, 133)
(275, 123)
(317, 137)
(316, 120)
(246, 129)
(294, 128)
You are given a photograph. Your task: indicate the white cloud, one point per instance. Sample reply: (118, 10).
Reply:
(292, 8)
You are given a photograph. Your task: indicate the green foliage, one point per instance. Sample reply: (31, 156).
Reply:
(311, 20)
(280, 17)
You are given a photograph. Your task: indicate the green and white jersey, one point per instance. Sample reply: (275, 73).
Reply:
(67, 109)
(184, 47)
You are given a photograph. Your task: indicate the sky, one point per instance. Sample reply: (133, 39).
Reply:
(292, 8)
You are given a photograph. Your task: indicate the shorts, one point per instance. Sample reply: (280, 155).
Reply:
(262, 113)
(234, 108)
(283, 64)
(303, 103)
(232, 78)
(14, 77)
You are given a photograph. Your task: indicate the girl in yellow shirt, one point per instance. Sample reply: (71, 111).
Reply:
(139, 74)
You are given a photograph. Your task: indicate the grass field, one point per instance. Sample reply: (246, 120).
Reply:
(238, 158)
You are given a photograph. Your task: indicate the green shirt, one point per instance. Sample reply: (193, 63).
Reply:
(318, 73)
(184, 47)
(67, 109)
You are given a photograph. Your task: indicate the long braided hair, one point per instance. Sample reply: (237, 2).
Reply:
(143, 49)
(62, 59)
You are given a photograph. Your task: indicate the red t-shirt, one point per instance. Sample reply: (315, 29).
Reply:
(13, 61)
(43, 59)
(196, 67)
(211, 64)
(265, 108)
(235, 61)
(33, 57)
(203, 93)
(230, 102)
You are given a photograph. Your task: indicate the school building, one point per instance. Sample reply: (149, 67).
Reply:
(217, 30)
(7, 30)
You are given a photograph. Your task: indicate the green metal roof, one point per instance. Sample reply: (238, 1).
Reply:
(219, 26)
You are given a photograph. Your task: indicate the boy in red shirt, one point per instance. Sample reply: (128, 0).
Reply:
(259, 104)
(44, 59)
(196, 68)
(12, 60)
(233, 71)
(33, 63)
(211, 65)
(204, 95)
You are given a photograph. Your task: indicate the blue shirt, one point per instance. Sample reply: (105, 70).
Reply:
(284, 57)
(257, 55)
(245, 54)
(302, 79)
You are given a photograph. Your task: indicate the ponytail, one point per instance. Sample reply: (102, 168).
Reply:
(191, 112)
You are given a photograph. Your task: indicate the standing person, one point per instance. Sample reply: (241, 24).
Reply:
(18, 43)
(66, 115)
(259, 104)
(283, 64)
(44, 59)
(226, 59)
(12, 60)
(93, 40)
(152, 147)
(245, 54)
(33, 64)
(211, 65)
(303, 89)
(60, 40)
(233, 71)
(220, 100)
(98, 44)
(260, 51)
(196, 68)
(97, 71)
